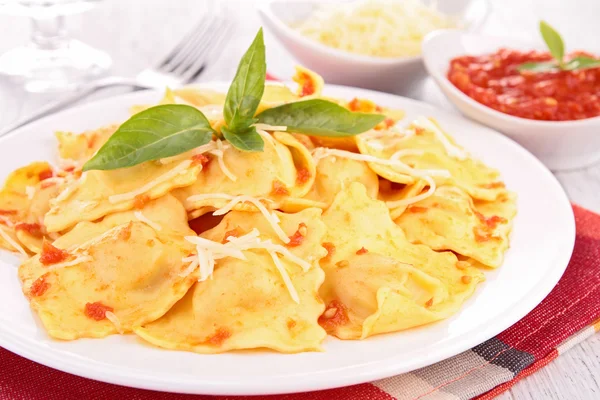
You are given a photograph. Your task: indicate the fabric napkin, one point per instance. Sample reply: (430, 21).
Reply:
(569, 315)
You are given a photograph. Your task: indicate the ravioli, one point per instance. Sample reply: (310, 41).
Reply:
(281, 173)
(81, 147)
(397, 285)
(113, 279)
(334, 174)
(99, 193)
(449, 220)
(246, 305)
(424, 151)
(20, 203)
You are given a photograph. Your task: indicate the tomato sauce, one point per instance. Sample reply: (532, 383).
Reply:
(495, 81)
(298, 237)
(96, 311)
(336, 314)
(33, 229)
(52, 255)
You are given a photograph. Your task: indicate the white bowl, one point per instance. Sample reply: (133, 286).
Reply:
(561, 145)
(344, 68)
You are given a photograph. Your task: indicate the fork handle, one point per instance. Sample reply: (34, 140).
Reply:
(72, 99)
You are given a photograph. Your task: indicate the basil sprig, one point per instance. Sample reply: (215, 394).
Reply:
(319, 117)
(556, 47)
(171, 129)
(158, 132)
(243, 98)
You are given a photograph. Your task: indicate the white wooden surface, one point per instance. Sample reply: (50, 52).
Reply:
(137, 32)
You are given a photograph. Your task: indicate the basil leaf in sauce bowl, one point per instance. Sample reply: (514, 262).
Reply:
(582, 62)
(319, 117)
(158, 132)
(554, 41)
(539, 66)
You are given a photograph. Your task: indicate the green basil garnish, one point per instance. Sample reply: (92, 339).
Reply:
(554, 41)
(243, 98)
(248, 140)
(158, 132)
(581, 62)
(171, 129)
(319, 118)
(556, 47)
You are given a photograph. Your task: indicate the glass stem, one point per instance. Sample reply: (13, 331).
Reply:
(48, 33)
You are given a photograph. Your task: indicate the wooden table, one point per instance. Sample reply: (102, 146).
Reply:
(137, 32)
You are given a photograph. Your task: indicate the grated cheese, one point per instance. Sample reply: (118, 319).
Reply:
(209, 251)
(452, 150)
(30, 191)
(219, 153)
(6, 221)
(115, 321)
(78, 260)
(267, 127)
(233, 200)
(180, 169)
(12, 242)
(393, 161)
(205, 148)
(380, 28)
(415, 199)
(322, 152)
(151, 224)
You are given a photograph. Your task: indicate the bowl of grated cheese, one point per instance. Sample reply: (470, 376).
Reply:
(374, 44)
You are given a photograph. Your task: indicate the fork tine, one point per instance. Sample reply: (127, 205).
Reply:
(183, 47)
(202, 63)
(200, 57)
(187, 58)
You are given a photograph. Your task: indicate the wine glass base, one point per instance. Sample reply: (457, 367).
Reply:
(54, 70)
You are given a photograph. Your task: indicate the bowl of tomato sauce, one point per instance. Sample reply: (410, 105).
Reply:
(554, 114)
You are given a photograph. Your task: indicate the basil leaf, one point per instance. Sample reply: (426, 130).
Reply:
(553, 41)
(248, 140)
(319, 118)
(582, 62)
(247, 87)
(158, 132)
(539, 66)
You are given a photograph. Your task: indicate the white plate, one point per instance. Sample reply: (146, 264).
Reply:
(541, 246)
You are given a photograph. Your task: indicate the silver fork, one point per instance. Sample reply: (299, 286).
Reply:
(184, 64)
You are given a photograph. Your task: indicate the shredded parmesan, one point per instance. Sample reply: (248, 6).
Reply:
(219, 153)
(322, 152)
(452, 150)
(380, 28)
(285, 276)
(6, 221)
(12, 242)
(151, 224)
(64, 194)
(55, 179)
(113, 318)
(234, 200)
(209, 251)
(30, 191)
(78, 260)
(393, 161)
(180, 169)
(205, 148)
(406, 202)
(267, 127)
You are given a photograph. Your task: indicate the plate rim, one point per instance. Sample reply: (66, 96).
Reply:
(355, 374)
